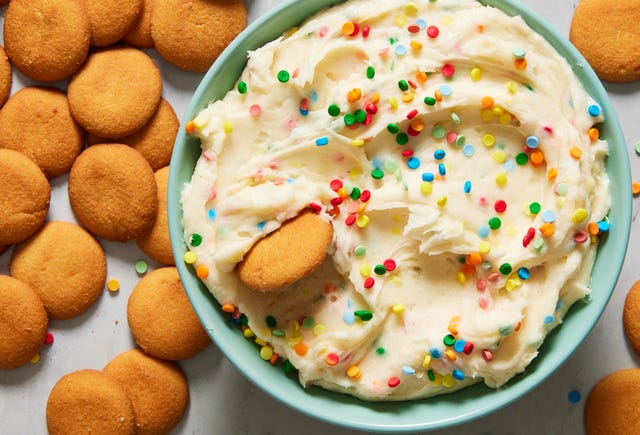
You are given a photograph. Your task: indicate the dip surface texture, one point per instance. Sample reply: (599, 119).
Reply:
(457, 157)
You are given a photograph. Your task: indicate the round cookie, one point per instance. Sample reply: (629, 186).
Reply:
(89, 401)
(191, 34)
(631, 316)
(608, 37)
(23, 323)
(111, 19)
(24, 197)
(156, 243)
(157, 388)
(36, 121)
(65, 265)
(140, 35)
(5, 76)
(162, 319)
(112, 192)
(155, 140)
(47, 40)
(271, 264)
(115, 92)
(612, 404)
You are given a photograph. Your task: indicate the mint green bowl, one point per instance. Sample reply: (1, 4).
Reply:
(441, 411)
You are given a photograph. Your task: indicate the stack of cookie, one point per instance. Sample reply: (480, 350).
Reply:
(96, 112)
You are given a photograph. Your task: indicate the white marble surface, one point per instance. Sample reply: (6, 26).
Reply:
(224, 402)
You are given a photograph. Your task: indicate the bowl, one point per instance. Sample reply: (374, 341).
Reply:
(426, 414)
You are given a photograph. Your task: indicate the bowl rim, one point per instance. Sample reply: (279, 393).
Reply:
(422, 414)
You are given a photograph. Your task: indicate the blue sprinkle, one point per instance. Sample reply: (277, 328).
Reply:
(484, 231)
(458, 375)
(509, 165)
(261, 225)
(459, 345)
(603, 226)
(439, 154)
(549, 319)
(594, 110)
(421, 23)
(523, 273)
(559, 304)
(349, 318)
(377, 162)
(435, 353)
(413, 163)
(408, 370)
(468, 150)
(304, 112)
(350, 303)
(313, 96)
(322, 141)
(467, 186)
(442, 169)
(574, 396)
(549, 216)
(532, 141)
(401, 50)
(291, 180)
(211, 213)
(428, 176)
(445, 90)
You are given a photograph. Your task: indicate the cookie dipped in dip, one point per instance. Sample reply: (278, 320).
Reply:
(457, 158)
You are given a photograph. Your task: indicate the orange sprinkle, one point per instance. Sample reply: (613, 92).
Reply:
(354, 372)
(335, 211)
(480, 28)
(228, 308)
(575, 152)
(438, 95)
(635, 188)
(415, 45)
(468, 269)
(348, 28)
(301, 349)
(593, 228)
(274, 358)
(486, 102)
(547, 229)
(474, 259)
(517, 328)
(421, 77)
(536, 158)
(520, 63)
(594, 134)
(552, 173)
(417, 125)
(453, 325)
(190, 127)
(375, 98)
(451, 354)
(342, 192)
(354, 95)
(202, 271)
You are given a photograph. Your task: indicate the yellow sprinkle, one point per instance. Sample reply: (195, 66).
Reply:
(476, 74)
(34, 359)
(510, 285)
(407, 97)
(512, 87)
(552, 173)
(437, 379)
(580, 215)
(415, 45)
(442, 201)
(260, 342)
(499, 156)
(354, 373)
(487, 115)
(451, 354)
(357, 142)
(319, 329)
(488, 140)
(227, 126)
(113, 285)
(484, 247)
(401, 20)
(365, 270)
(498, 110)
(411, 9)
(354, 174)
(448, 381)
(462, 279)
(362, 221)
(266, 352)
(426, 187)
(393, 101)
(190, 257)
(505, 118)
(398, 308)
(426, 361)
(248, 333)
(501, 179)
(292, 341)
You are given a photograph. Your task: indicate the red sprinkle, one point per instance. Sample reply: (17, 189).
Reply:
(413, 28)
(365, 31)
(48, 339)
(412, 114)
(412, 132)
(500, 206)
(315, 207)
(581, 237)
(394, 381)
(350, 220)
(332, 359)
(365, 195)
(369, 282)
(335, 184)
(468, 348)
(336, 201)
(448, 70)
(371, 108)
(407, 153)
(412, 84)
(368, 119)
(433, 31)
(389, 264)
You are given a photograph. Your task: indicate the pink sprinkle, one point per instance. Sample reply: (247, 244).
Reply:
(383, 52)
(48, 339)
(274, 164)
(353, 207)
(394, 381)
(493, 277)
(412, 84)
(448, 70)
(487, 355)
(365, 195)
(368, 119)
(433, 31)
(481, 285)
(350, 220)
(500, 206)
(207, 155)
(255, 110)
(289, 124)
(451, 137)
(389, 264)
(482, 200)
(548, 129)
(296, 73)
(322, 32)
(212, 194)
(483, 303)
(581, 237)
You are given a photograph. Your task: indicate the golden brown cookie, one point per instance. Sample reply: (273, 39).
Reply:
(36, 121)
(113, 193)
(116, 92)
(89, 401)
(157, 388)
(162, 319)
(111, 19)
(156, 243)
(47, 40)
(631, 316)
(155, 140)
(612, 405)
(24, 197)
(5, 76)
(65, 265)
(23, 323)
(191, 34)
(291, 252)
(607, 35)
(140, 35)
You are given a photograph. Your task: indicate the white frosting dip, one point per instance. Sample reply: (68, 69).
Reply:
(464, 226)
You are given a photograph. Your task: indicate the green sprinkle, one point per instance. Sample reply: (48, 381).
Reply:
(402, 138)
(429, 101)
(522, 159)
(141, 267)
(505, 330)
(277, 333)
(380, 351)
(364, 315)
(355, 193)
(360, 115)
(505, 268)
(271, 321)
(195, 239)
(535, 207)
(461, 140)
(438, 132)
(390, 165)
(377, 173)
(449, 340)
(371, 72)
(242, 87)
(308, 322)
(360, 251)
(495, 223)
(283, 76)
(403, 85)
(379, 269)
(430, 374)
(393, 128)
(287, 366)
(244, 320)
(638, 148)
(349, 119)
(334, 110)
